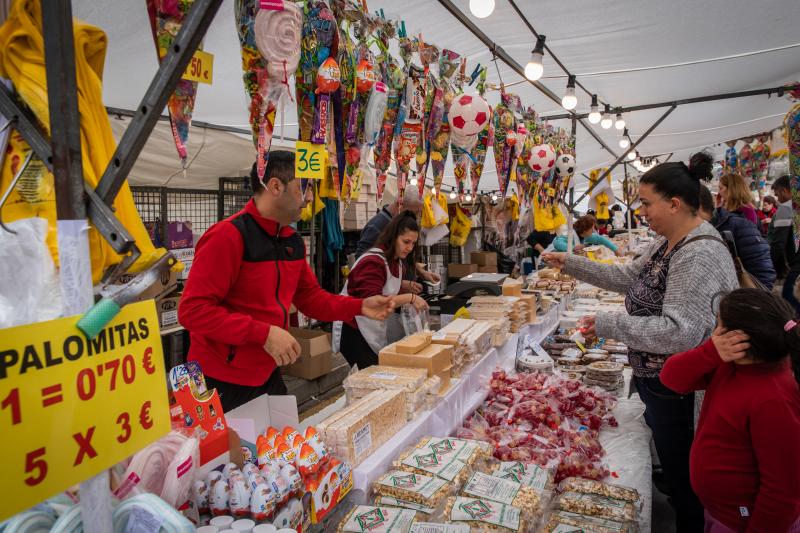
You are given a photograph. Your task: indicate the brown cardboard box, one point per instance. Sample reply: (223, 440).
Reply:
(484, 258)
(161, 288)
(315, 354)
(456, 270)
(413, 343)
(488, 269)
(167, 309)
(435, 358)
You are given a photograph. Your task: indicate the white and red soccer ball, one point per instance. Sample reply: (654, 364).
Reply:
(543, 158)
(469, 114)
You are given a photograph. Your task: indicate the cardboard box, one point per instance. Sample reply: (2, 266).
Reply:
(488, 269)
(456, 270)
(185, 256)
(484, 258)
(167, 309)
(413, 343)
(315, 357)
(435, 358)
(161, 288)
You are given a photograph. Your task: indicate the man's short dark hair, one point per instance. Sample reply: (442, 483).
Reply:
(782, 183)
(279, 165)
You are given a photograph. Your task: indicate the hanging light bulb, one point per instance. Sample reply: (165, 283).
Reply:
(481, 8)
(620, 122)
(624, 142)
(631, 155)
(606, 121)
(413, 182)
(453, 195)
(594, 115)
(468, 198)
(569, 101)
(534, 68)
(494, 197)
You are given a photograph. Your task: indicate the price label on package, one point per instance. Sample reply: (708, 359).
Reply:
(71, 407)
(200, 68)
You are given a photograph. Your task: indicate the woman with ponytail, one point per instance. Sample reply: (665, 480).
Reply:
(745, 461)
(669, 290)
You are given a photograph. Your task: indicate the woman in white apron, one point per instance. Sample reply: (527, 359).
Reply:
(378, 271)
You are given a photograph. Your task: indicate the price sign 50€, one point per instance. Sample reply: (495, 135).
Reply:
(71, 407)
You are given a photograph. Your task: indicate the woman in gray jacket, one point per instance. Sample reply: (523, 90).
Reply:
(671, 292)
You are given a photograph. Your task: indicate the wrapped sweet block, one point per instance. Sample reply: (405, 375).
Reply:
(431, 527)
(408, 487)
(366, 518)
(590, 486)
(599, 506)
(505, 491)
(414, 383)
(529, 474)
(606, 375)
(562, 521)
(470, 340)
(423, 510)
(484, 515)
(453, 460)
(362, 427)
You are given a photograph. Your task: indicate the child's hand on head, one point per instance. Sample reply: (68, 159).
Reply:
(730, 345)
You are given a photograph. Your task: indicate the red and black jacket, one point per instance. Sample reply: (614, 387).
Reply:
(246, 273)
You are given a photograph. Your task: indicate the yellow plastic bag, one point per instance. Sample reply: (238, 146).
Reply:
(318, 205)
(548, 217)
(460, 227)
(514, 201)
(440, 210)
(427, 219)
(328, 188)
(22, 61)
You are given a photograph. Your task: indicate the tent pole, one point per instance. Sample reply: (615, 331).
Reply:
(632, 148)
(72, 226)
(696, 100)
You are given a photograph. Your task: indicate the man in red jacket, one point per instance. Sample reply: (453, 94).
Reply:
(247, 271)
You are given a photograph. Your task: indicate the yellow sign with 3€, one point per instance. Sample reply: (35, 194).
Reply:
(71, 407)
(310, 160)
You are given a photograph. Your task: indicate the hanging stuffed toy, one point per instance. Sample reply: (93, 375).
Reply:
(731, 162)
(166, 19)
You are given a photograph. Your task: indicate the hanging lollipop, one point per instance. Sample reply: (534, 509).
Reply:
(166, 19)
(485, 138)
(277, 38)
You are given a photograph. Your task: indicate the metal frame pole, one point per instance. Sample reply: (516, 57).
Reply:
(630, 149)
(75, 271)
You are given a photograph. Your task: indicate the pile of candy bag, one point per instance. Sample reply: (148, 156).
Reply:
(545, 419)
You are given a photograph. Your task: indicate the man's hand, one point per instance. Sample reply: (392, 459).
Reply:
(555, 259)
(411, 287)
(419, 304)
(282, 346)
(730, 345)
(586, 325)
(377, 307)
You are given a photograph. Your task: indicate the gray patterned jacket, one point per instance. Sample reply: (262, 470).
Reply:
(698, 272)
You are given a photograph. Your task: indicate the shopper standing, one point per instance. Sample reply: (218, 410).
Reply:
(670, 293)
(736, 198)
(781, 241)
(247, 271)
(745, 461)
(768, 208)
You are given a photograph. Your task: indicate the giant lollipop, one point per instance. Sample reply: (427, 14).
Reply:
(277, 37)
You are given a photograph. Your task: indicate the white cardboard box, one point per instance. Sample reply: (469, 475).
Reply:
(185, 256)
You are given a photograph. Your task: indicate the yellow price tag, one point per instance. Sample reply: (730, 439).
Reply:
(71, 407)
(200, 68)
(310, 160)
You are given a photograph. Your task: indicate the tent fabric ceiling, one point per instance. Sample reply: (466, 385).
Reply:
(587, 37)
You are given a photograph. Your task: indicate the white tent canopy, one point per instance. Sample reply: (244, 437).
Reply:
(627, 52)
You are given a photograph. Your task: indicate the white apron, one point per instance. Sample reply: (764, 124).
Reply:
(377, 333)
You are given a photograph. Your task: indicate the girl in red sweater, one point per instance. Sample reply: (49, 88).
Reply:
(745, 459)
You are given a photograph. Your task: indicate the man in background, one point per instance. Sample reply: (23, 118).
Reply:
(785, 258)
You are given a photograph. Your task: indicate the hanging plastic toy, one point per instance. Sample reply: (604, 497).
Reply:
(731, 157)
(166, 19)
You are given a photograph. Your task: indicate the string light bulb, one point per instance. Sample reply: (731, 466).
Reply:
(594, 115)
(619, 123)
(606, 121)
(481, 8)
(624, 142)
(468, 198)
(453, 195)
(413, 182)
(494, 197)
(570, 101)
(632, 155)
(534, 69)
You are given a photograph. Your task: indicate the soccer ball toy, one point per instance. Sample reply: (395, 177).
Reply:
(543, 157)
(469, 114)
(565, 165)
